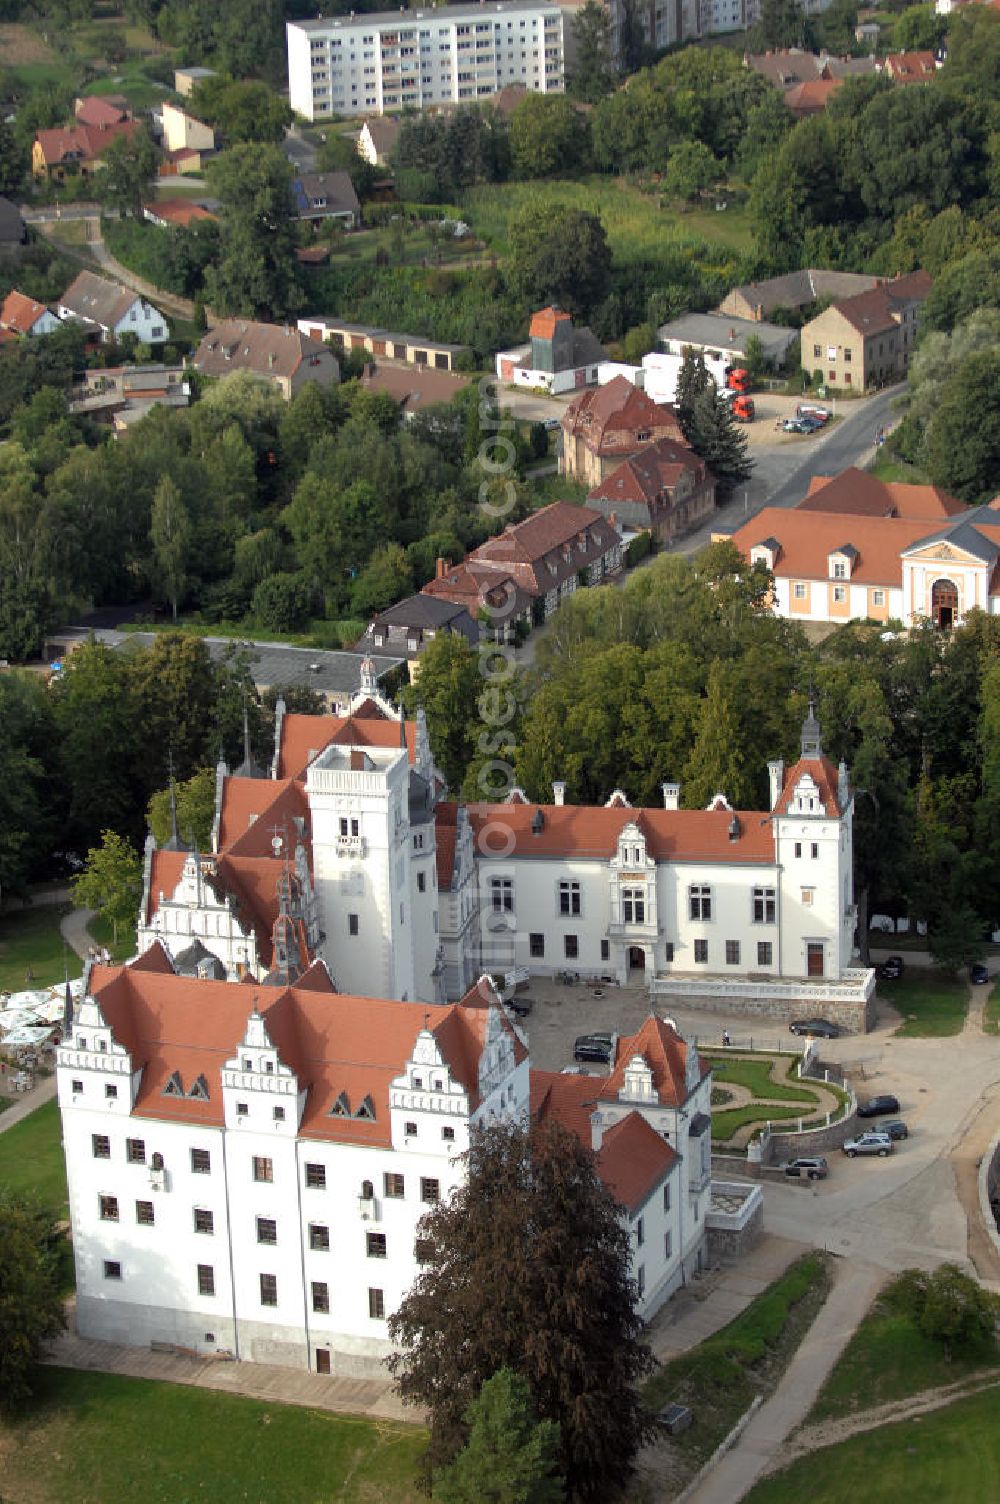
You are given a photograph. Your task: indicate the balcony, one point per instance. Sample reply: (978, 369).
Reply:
(351, 846)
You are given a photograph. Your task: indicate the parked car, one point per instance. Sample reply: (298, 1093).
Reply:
(821, 1027)
(796, 425)
(552, 423)
(895, 1128)
(891, 969)
(978, 974)
(868, 1143)
(814, 1168)
(811, 423)
(520, 1004)
(878, 1107)
(593, 1047)
(810, 410)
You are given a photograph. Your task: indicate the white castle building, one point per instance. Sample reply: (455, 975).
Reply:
(350, 852)
(248, 1165)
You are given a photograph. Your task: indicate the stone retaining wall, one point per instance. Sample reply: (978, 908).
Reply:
(855, 1016)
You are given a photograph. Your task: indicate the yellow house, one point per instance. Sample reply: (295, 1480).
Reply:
(181, 130)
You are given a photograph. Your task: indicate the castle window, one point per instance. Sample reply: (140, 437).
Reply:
(316, 1177)
(569, 898)
(699, 901)
(319, 1237)
(634, 905)
(764, 905)
(101, 1145)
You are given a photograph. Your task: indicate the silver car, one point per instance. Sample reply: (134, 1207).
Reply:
(868, 1143)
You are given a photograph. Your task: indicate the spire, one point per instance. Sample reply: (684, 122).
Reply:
(247, 768)
(812, 742)
(175, 843)
(369, 678)
(67, 1024)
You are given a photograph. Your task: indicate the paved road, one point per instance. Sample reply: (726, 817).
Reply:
(300, 152)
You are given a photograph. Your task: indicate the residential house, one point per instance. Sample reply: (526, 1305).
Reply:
(182, 131)
(811, 97)
(867, 339)
(856, 547)
(408, 626)
(322, 196)
(124, 394)
(558, 357)
(186, 80)
(111, 310)
(75, 150)
(787, 67)
(665, 489)
(757, 301)
(13, 232)
(602, 428)
(492, 597)
(22, 315)
(413, 387)
(377, 140)
(724, 337)
(553, 551)
(101, 110)
(186, 161)
(405, 349)
(275, 353)
(909, 67)
(177, 213)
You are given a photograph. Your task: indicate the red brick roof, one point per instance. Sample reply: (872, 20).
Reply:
(616, 408)
(333, 1042)
(473, 585)
(633, 1160)
(179, 211)
(857, 493)
(644, 476)
(549, 528)
(910, 67)
(808, 538)
(79, 141)
(99, 111)
(823, 774)
(543, 323)
(20, 313)
(664, 1051)
(571, 1100)
(811, 97)
(303, 737)
(581, 831)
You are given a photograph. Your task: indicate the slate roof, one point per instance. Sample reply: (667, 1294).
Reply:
(335, 187)
(428, 612)
(97, 301)
(273, 350)
(12, 230)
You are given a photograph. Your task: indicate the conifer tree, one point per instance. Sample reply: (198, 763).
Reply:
(510, 1457)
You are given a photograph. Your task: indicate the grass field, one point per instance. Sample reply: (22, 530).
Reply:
(950, 1456)
(888, 468)
(887, 1359)
(636, 226)
(94, 1437)
(719, 1379)
(30, 940)
(932, 1005)
(31, 1157)
(776, 1099)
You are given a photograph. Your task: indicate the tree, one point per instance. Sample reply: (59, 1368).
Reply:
(97, 736)
(195, 803)
(783, 23)
(386, 578)
(560, 255)
(340, 154)
(170, 536)
(718, 763)
(256, 270)
(691, 169)
(111, 881)
(692, 380)
(547, 137)
(129, 165)
(510, 1457)
(963, 436)
(29, 805)
(949, 1306)
(175, 700)
(593, 73)
(31, 1306)
(282, 602)
(447, 689)
(527, 1267)
(714, 434)
(13, 159)
(241, 111)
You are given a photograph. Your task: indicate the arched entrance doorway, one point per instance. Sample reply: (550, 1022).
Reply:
(944, 603)
(636, 958)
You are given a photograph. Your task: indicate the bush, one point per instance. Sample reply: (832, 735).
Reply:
(282, 603)
(640, 547)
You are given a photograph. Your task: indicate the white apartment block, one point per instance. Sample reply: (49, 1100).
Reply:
(412, 59)
(248, 1165)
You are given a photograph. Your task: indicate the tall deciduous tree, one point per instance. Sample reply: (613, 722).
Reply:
(195, 802)
(31, 1307)
(510, 1457)
(170, 536)
(448, 689)
(98, 741)
(718, 763)
(129, 165)
(527, 1267)
(560, 255)
(256, 271)
(111, 882)
(593, 74)
(28, 800)
(546, 137)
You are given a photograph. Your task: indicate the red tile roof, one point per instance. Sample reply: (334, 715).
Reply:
(333, 1042)
(551, 527)
(664, 1051)
(179, 211)
(811, 97)
(633, 1161)
(870, 312)
(807, 539)
(910, 67)
(20, 313)
(543, 323)
(446, 832)
(570, 830)
(99, 111)
(571, 1100)
(472, 584)
(823, 774)
(164, 875)
(617, 409)
(858, 493)
(643, 477)
(303, 737)
(80, 141)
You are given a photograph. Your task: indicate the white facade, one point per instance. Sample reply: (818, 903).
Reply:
(140, 318)
(395, 60)
(514, 368)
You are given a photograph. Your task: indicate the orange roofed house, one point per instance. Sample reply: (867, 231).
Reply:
(248, 1165)
(78, 149)
(602, 428)
(557, 358)
(857, 547)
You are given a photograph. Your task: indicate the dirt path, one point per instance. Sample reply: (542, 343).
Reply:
(96, 252)
(829, 1432)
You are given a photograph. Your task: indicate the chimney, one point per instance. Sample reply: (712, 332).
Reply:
(559, 792)
(776, 773)
(441, 568)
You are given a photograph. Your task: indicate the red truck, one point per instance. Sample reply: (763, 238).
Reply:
(743, 409)
(737, 379)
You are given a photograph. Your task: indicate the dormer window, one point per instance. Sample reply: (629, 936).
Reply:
(839, 569)
(199, 1090)
(341, 1108)
(173, 1087)
(367, 1110)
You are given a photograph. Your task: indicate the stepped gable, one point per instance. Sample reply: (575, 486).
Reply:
(304, 737)
(666, 1054)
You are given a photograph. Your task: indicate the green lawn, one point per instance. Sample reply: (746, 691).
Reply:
(719, 1379)
(887, 1359)
(95, 1437)
(991, 1013)
(762, 1077)
(122, 949)
(637, 227)
(31, 1157)
(950, 1456)
(932, 1005)
(30, 939)
(888, 467)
